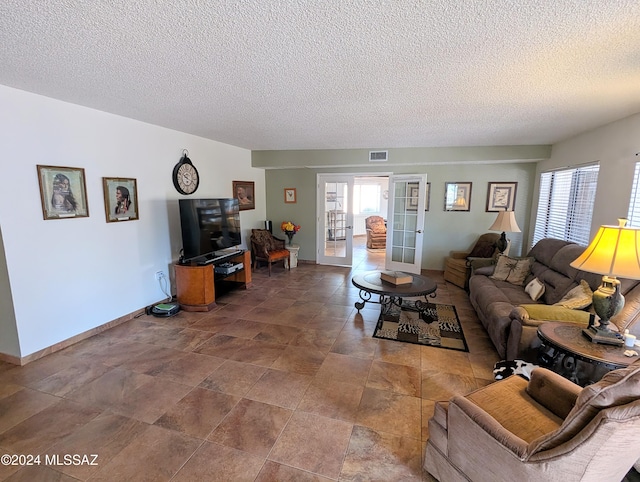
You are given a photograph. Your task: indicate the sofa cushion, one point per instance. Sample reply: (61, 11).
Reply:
(578, 298)
(513, 270)
(545, 249)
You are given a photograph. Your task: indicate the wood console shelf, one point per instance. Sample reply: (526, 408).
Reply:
(196, 285)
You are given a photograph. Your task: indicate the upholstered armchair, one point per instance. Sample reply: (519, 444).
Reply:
(457, 267)
(376, 232)
(546, 429)
(266, 247)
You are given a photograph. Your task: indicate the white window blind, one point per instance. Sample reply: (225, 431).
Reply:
(566, 204)
(634, 202)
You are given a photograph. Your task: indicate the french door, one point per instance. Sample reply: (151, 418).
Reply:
(335, 219)
(405, 222)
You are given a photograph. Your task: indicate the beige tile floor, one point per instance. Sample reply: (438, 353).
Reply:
(281, 381)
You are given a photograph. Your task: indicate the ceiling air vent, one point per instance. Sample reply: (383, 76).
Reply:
(378, 156)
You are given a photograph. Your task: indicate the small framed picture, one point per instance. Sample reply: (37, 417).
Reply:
(457, 196)
(501, 196)
(244, 192)
(63, 192)
(290, 195)
(120, 199)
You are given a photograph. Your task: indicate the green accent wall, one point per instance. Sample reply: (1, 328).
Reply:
(445, 231)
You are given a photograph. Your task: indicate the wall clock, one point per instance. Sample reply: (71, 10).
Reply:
(185, 176)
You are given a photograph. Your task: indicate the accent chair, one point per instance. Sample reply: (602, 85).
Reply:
(266, 247)
(546, 429)
(457, 266)
(376, 232)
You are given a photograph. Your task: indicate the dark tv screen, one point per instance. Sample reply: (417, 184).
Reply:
(208, 225)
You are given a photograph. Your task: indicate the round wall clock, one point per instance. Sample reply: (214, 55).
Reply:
(185, 176)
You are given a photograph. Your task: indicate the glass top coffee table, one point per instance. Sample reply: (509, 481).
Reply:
(370, 284)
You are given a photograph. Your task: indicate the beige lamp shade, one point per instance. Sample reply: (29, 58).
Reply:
(614, 251)
(505, 222)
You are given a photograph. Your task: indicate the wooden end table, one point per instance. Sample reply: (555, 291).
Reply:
(566, 351)
(389, 294)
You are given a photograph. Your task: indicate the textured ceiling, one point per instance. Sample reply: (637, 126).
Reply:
(312, 74)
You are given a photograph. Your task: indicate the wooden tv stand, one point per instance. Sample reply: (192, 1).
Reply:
(196, 284)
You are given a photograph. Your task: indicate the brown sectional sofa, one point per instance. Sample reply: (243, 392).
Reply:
(513, 334)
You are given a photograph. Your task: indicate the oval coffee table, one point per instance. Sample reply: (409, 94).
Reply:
(389, 294)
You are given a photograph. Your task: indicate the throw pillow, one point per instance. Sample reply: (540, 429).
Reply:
(551, 313)
(578, 298)
(513, 270)
(535, 289)
(482, 249)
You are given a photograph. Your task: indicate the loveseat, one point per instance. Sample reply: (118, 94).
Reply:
(510, 315)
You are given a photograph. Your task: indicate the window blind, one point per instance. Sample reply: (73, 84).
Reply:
(566, 204)
(634, 203)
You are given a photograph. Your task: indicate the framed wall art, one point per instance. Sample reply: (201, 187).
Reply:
(290, 195)
(244, 192)
(120, 199)
(412, 198)
(63, 192)
(501, 196)
(457, 196)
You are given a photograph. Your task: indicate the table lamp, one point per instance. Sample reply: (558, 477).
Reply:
(613, 252)
(505, 222)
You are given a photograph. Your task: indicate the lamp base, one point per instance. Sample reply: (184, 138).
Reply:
(605, 337)
(502, 242)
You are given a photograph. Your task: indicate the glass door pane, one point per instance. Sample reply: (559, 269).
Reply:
(335, 220)
(406, 226)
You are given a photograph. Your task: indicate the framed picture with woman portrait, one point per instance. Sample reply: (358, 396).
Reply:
(63, 192)
(120, 199)
(244, 192)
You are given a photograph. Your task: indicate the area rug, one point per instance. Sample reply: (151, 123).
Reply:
(429, 324)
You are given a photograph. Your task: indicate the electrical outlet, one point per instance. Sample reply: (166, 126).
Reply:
(159, 275)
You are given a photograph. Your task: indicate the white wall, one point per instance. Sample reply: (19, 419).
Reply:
(68, 276)
(615, 145)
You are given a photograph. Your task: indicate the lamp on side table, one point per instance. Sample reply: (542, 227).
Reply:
(505, 222)
(613, 252)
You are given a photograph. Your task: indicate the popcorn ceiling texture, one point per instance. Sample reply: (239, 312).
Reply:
(311, 74)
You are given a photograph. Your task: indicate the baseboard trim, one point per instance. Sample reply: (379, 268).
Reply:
(14, 360)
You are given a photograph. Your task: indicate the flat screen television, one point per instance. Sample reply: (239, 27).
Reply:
(209, 226)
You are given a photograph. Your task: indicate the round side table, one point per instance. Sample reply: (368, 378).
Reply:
(293, 256)
(566, 351)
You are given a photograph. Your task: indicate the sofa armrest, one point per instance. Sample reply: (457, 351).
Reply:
(552, 391)
(477, 263)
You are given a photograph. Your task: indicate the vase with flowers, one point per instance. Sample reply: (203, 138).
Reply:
(289, 229)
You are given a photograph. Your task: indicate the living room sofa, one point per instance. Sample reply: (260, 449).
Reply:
(502, 306)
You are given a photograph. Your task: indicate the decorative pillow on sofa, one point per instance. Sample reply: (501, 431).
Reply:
(549, 313)
(578, 298)
(483, 249)
(535, 289)
(513, 270)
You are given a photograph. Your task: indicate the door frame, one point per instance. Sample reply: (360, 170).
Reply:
(320, 211)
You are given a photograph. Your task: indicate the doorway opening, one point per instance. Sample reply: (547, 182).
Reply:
(347, 201)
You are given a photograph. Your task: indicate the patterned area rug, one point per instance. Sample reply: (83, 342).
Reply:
(428, 324)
